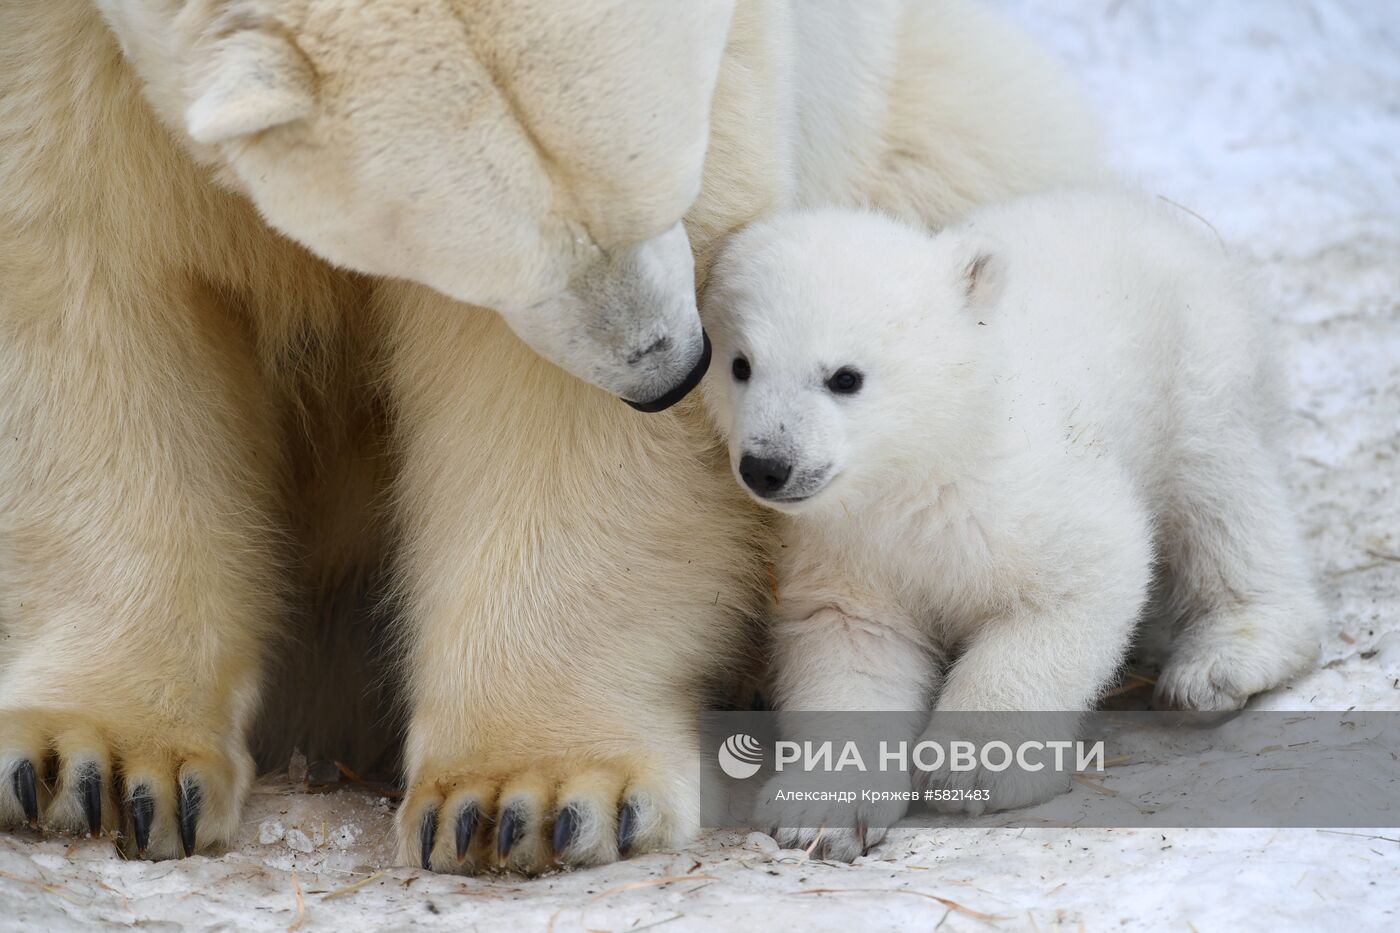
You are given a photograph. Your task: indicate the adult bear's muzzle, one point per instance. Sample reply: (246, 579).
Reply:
(682, 388)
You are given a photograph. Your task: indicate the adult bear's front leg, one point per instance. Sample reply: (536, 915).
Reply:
(136, 583)
(574, 572)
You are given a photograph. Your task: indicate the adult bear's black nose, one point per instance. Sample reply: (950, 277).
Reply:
(681, 389)
(764, 475)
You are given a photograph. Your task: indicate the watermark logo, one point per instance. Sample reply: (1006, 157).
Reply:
(740, 756)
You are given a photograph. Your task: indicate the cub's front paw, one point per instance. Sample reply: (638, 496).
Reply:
(530, 816)
(164, 790)
(972, 781)
(829, 829)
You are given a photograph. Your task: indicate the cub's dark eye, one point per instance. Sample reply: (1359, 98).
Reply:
(845, 381)
(741, 369)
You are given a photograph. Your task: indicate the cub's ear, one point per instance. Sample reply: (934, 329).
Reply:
(255, 80)
(979, 268)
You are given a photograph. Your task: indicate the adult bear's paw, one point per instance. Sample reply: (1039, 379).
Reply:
(537, 815)
(160, 789)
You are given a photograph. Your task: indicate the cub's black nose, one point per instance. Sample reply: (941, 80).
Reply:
(764, 475)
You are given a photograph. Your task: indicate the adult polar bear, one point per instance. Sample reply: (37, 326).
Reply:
(192, 403)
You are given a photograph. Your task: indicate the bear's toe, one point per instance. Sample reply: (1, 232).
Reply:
(154, 797)
(534, 818)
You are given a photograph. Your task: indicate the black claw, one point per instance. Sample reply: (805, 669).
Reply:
(191, 796)
(512, 828)
(626, 827)
(467, 821)
(27, 790)
(565, 825)
(90, 792)
(143, 812)
(427, 835)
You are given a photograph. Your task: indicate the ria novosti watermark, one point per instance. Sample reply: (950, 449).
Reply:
(1036, 769)
(741, 756)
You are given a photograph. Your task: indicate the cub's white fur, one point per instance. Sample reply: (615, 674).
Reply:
(1059, 395)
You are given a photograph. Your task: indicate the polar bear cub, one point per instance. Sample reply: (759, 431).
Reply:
(989, 446)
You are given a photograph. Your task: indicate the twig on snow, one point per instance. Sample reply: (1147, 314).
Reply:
(301, 906)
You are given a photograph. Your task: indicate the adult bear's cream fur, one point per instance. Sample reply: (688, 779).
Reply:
(207, 429)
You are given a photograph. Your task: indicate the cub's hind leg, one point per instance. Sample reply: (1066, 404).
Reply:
(1243, 612)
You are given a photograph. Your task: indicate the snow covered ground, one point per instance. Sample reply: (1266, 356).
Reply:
(1280, 123)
